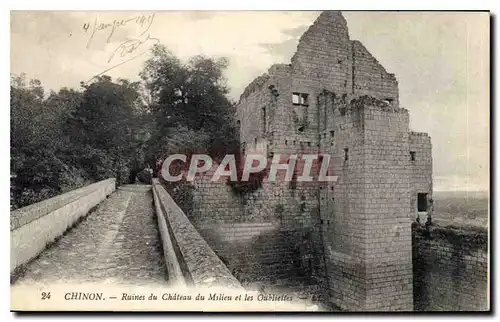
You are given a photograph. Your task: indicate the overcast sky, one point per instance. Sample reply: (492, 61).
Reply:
(441, 61)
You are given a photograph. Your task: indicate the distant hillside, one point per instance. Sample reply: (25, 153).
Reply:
(461, 207)
(461, 194)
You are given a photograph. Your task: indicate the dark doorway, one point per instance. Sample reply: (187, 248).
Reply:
(422, 201)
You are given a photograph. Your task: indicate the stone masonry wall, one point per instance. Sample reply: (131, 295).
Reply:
(342, 213)
(387, 234)
(261, 236)
(256, 97)
(371, 78)
(421, 168)
(351, 237)
(367, 230)
(324, 54)
(369, 200)
(450, 266)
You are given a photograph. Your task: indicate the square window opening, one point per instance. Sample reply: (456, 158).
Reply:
(300, 99)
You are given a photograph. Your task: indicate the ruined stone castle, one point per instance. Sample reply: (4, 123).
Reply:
(350, 238)
(353, 244)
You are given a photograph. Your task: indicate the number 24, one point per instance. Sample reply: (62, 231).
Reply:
(45, 295)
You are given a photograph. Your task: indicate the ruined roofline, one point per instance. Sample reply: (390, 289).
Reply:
(336, 17)
(360, 45)
(259, 81)
(253, 85)
(330, 16)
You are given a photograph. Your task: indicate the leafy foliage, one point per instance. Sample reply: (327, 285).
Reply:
(39, 170)
(103, 129)
(113, 128)
(70, 138)
(188, 98)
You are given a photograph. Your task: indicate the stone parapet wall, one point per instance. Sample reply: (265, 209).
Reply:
(25, 215)
(199, 265)
(450, 268)
(35, 226)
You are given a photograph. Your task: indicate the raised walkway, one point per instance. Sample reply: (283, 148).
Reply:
(117, 243)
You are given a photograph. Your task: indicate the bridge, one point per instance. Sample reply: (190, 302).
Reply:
(137, 235)
(130, 235)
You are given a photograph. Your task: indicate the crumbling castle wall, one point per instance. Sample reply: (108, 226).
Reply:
(421, 170)
(370, 78)
(261, 236)
(352, 237)
(313, 104)
(450, 267)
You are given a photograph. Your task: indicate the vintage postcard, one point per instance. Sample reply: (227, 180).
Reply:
(236, 161)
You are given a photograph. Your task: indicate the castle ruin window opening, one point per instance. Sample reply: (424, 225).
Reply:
(421, 202)
(263, 120)
(325, 114)
(300, 99)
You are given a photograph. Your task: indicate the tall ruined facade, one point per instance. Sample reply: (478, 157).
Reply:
(335, 98)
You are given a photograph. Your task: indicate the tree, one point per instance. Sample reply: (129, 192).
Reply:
(188, 97)
(69, 138)
(104, 128)
(37, 169)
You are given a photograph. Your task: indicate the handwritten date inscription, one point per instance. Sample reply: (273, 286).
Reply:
(144, 21)
(129, 49)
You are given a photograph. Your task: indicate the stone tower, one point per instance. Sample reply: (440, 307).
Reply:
(335, 98)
